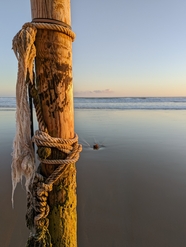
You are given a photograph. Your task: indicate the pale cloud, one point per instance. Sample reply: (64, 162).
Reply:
(103, 91)
(93, 93)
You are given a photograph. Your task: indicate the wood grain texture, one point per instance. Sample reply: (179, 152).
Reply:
(53, 66)
(54, 82)
(51, 9)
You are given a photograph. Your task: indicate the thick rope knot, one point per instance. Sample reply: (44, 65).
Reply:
(68, 146)
(24, 49)
(55, 27)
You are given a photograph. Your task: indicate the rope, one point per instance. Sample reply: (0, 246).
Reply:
(22, 155)
(37, 207)
(67, 146)
(51, 21)
(54, 27)
(37, 186)
(36, 100)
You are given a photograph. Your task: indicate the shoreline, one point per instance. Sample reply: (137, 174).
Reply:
(130, 193)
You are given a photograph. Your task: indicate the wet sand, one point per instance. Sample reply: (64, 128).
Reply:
(131, 192)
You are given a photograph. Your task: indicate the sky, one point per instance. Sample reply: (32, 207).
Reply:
(123, 48)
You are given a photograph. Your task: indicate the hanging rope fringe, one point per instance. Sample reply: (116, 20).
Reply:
(37, 186)
(23, 158)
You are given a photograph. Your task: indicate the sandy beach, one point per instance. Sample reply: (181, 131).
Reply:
(131, 192)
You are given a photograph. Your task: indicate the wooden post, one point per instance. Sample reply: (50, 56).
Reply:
(53, 65)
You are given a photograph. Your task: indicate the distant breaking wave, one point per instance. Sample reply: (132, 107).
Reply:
(120, 103)
(8, 102)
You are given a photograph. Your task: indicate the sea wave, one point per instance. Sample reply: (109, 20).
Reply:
(120, 103)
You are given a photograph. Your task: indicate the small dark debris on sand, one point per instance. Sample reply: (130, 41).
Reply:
(96, 146)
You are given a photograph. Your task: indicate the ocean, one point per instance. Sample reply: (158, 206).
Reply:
(130, 192)
(116, 103)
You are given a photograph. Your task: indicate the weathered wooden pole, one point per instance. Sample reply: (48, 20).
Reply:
(53, 65)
